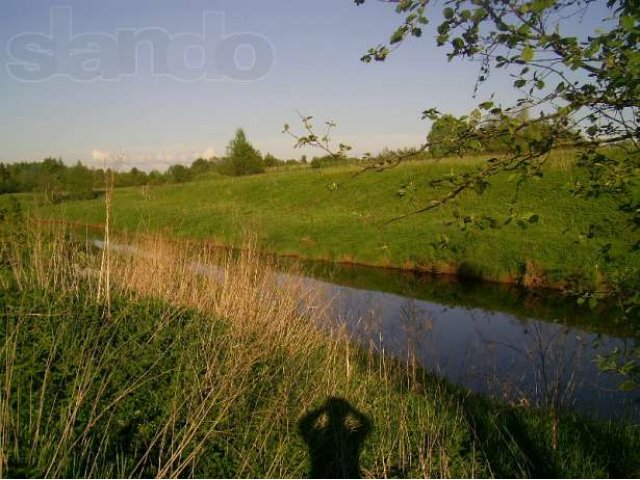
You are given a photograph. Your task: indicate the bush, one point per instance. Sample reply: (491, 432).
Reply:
(329, 161)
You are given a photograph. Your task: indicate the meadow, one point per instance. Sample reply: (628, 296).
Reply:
(121, 365)
(539, 234)
(126, 362)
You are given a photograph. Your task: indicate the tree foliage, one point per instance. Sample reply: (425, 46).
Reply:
(51, 177)
(78, 182)
(584, 87)
(179, 173)
(203, 166)
(242, 158)
(444, 135)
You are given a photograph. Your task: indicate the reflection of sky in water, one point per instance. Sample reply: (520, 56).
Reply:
(489, 352)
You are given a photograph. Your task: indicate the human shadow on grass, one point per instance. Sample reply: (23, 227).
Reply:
(335, 434)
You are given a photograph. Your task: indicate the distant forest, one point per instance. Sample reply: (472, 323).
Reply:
(63, 182)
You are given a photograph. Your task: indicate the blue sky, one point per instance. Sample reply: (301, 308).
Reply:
(158, 120)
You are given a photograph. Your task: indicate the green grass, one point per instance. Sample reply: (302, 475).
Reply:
(89, 396)
(300, 212)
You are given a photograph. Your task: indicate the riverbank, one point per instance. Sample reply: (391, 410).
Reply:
(168, 373)
(547, 239)
(547, 304)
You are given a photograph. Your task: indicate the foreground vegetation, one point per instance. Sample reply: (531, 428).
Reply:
(547, 237)
(131, 364)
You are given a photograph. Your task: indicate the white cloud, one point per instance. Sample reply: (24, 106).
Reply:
(149, 159)
(208, 153)
(100, 155)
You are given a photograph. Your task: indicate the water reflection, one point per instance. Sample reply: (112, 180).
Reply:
(535, 350)
(513, 357)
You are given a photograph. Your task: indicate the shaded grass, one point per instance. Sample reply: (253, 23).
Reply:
(200, 376)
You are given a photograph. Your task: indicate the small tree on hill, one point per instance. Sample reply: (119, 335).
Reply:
(444, 138)
(78, 182)
(242, 158)
(179, 174)
(202, 166)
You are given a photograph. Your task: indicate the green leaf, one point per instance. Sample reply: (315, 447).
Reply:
(628, 385)
(541, 5)
(479, 15)
(627, 22)
(398, 35)
(527, 54)
(475, 144)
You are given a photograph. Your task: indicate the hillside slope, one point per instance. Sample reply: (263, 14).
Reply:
(333, 214)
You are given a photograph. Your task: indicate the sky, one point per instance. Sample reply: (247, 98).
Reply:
(224, 64)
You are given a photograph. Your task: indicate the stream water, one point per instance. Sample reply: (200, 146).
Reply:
(496, 340)
(540, 349)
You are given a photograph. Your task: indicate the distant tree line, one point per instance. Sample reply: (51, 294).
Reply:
(51, 177)
(58, 181)
(473, 134)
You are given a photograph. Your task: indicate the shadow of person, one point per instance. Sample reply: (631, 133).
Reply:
(334, 434)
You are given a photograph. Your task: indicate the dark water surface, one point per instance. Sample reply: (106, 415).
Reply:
(496, 340)
(539, 349)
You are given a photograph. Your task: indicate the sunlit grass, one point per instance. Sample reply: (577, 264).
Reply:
(332, 214)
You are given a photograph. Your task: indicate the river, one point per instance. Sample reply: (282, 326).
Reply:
(538, 349)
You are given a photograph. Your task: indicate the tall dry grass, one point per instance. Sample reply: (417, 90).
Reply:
(242, 387)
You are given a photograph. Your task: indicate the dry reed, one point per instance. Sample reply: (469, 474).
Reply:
(247, 385)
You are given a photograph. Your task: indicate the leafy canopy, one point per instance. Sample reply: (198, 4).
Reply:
(588, 84)
(444, 135)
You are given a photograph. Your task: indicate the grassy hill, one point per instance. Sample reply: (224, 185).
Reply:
(335, 214)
